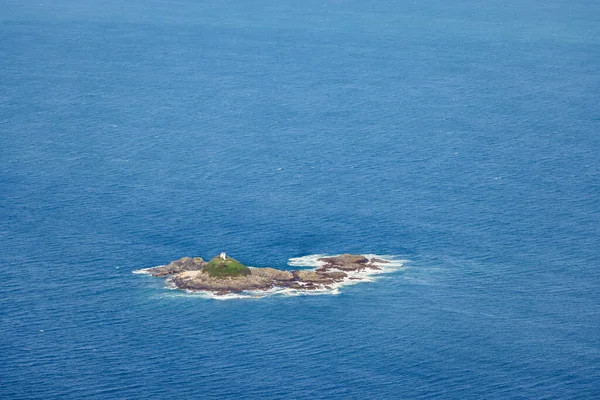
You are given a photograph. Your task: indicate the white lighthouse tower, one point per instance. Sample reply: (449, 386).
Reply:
(223, 256)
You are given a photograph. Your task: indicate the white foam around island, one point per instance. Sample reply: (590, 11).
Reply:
(143, 271)
(307, 261)
(258, 294)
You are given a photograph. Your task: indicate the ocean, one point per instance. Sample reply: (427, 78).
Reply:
(459, 138)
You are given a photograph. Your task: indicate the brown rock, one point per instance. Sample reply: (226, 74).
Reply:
(272, 273)
(345, 262)
(198, 280)
(336, 276)
(178, 266)
(379, 261)
(310, 276)
(320, 278)
(293, 285)
(346, 259)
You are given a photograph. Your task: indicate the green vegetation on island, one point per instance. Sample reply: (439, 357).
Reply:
(228, 267)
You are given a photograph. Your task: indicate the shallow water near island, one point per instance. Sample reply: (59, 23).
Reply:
(461, 136)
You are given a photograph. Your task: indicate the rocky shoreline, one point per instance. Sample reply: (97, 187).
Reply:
(190, 274)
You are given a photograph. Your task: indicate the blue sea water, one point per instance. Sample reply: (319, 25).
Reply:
(462, 136)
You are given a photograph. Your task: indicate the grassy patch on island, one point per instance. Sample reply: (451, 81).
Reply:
(219, 268)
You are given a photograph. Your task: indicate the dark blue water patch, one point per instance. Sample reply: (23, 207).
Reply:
(461, 137)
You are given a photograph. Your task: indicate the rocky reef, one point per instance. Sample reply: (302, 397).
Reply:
(223, 275)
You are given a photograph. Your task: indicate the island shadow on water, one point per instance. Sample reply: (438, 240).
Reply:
(224, 277)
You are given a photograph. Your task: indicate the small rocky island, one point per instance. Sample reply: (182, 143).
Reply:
(223, 275)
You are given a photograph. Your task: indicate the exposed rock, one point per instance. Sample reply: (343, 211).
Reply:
(379, 261)
(310, 286)
(178, 266)
(318, 277)
(347, 262)
(294, 285)
(336, 275)
(199, 280)
(345, 259)
(272, 273)
(310, 276)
